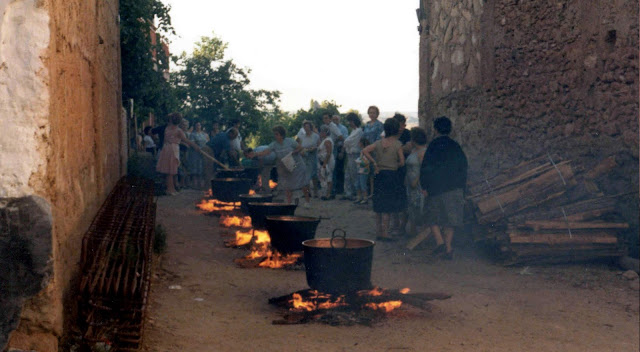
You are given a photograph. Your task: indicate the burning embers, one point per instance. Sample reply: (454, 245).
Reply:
(236, 221)
(364, 307)
(262, 255)
(214, 205)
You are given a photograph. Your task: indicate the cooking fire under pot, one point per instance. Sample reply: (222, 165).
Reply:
(338, 264)
(229, 189)
(259, 212)
(288, 232)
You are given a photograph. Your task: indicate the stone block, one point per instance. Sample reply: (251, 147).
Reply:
(25, 255)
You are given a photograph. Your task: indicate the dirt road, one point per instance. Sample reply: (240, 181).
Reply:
(220, 307)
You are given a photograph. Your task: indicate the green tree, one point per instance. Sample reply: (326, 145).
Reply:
(212, 88)
(143, 60)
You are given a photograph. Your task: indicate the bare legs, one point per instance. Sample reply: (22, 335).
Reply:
(448, 236)
(171, 188)
(382, 225)
(399, 222)
(307, 194)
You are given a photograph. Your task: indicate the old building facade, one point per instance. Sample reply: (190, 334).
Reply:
(522, 78)
(63, 143)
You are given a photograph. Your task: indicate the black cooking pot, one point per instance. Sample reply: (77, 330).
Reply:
(229, 189)
(253, 198)
(230, 173)
(338, 264)
(288, 232)
(251, 173)
(259, 212)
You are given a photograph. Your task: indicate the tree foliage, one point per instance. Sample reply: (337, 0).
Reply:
(211, 88)
(144, 61)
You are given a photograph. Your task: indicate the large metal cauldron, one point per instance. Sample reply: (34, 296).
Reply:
(229, 189)
(249, 172)
(259, 212)
(245, 199)
(288, 232)
(230, 173)
(338, 264)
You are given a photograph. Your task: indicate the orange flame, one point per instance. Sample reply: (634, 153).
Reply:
(252, 192)
(212, 205)
(243, 238)
(376, 291)
(405, 290)
(272, 184)
(229, 221)
(261, 248)
(276, 260)
(384, 306)
(299, 304)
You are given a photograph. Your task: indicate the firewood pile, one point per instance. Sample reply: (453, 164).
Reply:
(546, 211)
(116, 266)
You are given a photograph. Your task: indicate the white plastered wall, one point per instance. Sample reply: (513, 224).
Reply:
(24, 95)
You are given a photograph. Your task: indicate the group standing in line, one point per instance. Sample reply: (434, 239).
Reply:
(413, 186)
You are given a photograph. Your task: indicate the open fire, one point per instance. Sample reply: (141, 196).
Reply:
(211, 205)
(362, 307)
(262, 255)
(236, 221)
(214, 205)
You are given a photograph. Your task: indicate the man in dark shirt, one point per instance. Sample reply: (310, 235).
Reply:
(443, 177)
(159, 131)
(221, 145)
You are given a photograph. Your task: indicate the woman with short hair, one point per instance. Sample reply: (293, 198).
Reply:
(326, 162)
(169, 157)
(412, 178)
(309, 140)
(352, 150)
(289, 180)
(387, 186)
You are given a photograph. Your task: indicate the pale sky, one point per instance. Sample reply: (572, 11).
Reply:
(355, 52)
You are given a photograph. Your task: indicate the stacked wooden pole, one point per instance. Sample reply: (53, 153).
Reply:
(542, 211)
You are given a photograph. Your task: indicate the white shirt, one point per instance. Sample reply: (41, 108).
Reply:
(236, 144)
(148, 142)
(352, 143)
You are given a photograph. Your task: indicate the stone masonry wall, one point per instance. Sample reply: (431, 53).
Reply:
(537, 77)
(81, 141)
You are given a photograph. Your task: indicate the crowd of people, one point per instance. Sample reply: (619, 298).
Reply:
(414, 185)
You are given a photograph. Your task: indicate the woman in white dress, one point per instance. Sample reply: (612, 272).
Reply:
(326, 162)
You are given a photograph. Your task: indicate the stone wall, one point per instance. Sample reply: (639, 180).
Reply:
(520, 78)
(66, 111)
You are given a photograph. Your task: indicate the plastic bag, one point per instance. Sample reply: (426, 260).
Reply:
(288, 162)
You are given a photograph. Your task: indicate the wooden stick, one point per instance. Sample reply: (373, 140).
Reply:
(214, 159)
(554, 238)
(574, 225)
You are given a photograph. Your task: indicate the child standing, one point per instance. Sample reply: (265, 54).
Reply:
(149, 143)
(363, 174)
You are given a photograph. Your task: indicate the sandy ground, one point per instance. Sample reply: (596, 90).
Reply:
(221, 307)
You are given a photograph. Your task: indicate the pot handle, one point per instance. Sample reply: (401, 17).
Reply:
(343, 236)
